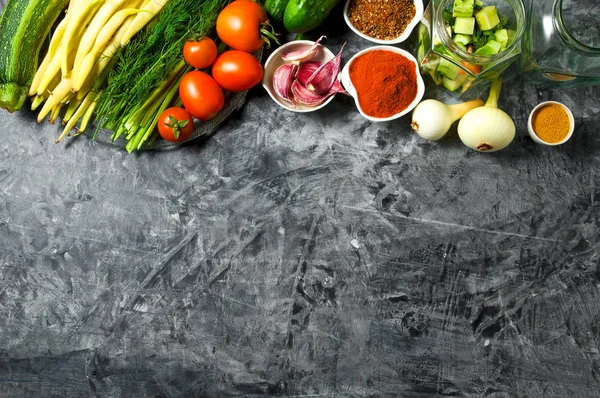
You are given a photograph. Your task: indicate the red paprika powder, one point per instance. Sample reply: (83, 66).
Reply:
(385, 82)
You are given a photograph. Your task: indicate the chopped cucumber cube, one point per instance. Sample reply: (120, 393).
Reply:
(479, 3)
(463, 8)
(448, 69)
(496, 45)
(454, 84)
(501, 35)
(462, 39)
(492, 47)
(487, 18)
(464, 26)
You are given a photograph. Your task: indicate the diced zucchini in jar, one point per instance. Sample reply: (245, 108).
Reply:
(463, 8)
(492, 47)
(501, 35)
(448, 69)
(441, 49)
(454, 84)
(462, 39)
(487, 18)
(464, 26)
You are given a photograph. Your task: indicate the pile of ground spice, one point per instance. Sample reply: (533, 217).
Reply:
(381, 19)
(385, 82)
(551, 123)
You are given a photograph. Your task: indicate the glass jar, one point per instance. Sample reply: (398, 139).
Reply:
(561, 45)
(453, 65)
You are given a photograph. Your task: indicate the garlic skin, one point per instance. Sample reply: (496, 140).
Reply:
(432, 119)
(303, 55)
(486, 129)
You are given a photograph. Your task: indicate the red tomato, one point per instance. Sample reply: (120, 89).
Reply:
(200, 54)
(175, 124)
(237, 71)
(201, 95)
(239, 25)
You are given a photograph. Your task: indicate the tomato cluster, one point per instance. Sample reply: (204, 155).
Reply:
(239, 26)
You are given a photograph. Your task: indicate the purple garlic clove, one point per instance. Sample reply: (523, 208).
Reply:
(282, 81)
(304, 96)
(306, 70)
(324, 77)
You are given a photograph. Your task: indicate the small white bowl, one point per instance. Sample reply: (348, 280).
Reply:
(409, 28)
(535, 137)
(275, 61)
(347, 83)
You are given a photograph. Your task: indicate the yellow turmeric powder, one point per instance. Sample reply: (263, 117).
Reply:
(551, 123)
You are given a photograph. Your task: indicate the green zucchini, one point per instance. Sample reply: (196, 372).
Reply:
(275, 9)
(24, 24)
(303, 15)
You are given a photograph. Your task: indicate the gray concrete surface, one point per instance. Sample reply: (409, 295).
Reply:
(303, 255)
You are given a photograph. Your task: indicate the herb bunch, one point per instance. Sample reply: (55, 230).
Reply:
(151, 60)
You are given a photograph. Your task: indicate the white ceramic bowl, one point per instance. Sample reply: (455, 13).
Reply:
(409, 28)
(535, 137)
(275, 61)
(347, 83)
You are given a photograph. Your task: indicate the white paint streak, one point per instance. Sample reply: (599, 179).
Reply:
(453, 225)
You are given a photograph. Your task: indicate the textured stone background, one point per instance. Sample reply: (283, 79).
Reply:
(311, 255)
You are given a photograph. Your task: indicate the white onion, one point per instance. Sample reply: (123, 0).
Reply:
(487, 129)
(431, 119)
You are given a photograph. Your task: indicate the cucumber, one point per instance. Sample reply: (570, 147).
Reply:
(464, 25)
(501, 35)
(487, 18)
(24, 24)
(463, 8)
(275, 9)
(303, 15)
(448, 69)
(454, 84)
(462, 39)
(491, 47)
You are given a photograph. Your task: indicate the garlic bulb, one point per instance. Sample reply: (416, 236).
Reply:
(431, 119)
(487, 129)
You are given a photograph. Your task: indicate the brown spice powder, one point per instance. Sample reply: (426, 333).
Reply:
(551, 123)
(381, 19)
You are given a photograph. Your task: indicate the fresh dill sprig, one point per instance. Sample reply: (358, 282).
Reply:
(448, 17)
(503, 22)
